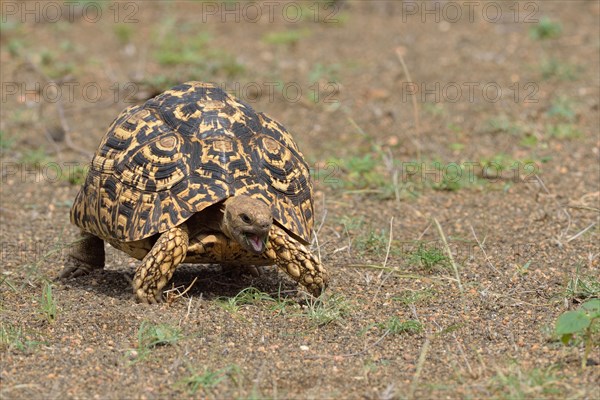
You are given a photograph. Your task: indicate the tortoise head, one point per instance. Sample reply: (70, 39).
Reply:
(247, 221)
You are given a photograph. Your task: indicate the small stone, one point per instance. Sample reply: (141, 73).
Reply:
(304, 348)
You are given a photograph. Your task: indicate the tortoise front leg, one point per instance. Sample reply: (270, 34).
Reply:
(157, 267)
(84, 256)
(297, 261)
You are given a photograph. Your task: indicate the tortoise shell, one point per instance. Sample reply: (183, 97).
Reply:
(184, 150)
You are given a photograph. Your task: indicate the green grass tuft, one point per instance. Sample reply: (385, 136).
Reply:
(208, 378)
(554, 68)
(289, 37)
(517, 383)
(325, 311)
(152, 335)
(14, 338)
(395, 326)
(545, 29)
(428, 257)
(47, 304)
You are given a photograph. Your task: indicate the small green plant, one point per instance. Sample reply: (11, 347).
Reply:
(56, 68)
(325, 311)
(525, 384)
(194, 57)
(456, 146)
(190, 51)
(545, 29)
(529, 140)
(452, 178)
(372, 241)
(562, 112)
(207, 379)
(395, 326)
(582, 287)
(67, 45)
(434, 109)
(428, 257)
(124, 32)
(362, 173)
(289, 37)
(8, 27)
(47, 304)
(225, 63)
(152, 335)
(351, 223)
(503, 124)
(554, 68)
(365, 239)
(245, 297)
(322, 72)
(408, 297)
(523, 269)
(502, 165)
(563, 131)
(582, 322)
(15, 46)
(47, 58)
(13, 338)
(76, 176)
(35, 157)
(160, 82)
(6, 142)
(562, 109)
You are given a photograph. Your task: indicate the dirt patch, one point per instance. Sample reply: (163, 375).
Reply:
(504, 156)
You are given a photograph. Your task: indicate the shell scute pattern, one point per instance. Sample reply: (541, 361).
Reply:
(184, 150)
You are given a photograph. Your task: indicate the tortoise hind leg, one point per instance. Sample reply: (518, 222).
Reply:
(157, 267)
(84, 256)
(297, 261)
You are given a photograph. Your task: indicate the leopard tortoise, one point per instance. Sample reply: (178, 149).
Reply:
(195, 175)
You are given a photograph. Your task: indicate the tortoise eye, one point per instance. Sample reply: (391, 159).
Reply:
(245, 218)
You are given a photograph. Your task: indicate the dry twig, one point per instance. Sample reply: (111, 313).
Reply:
(387, 254)
(420, 363)
(449, 252)
(480, 244)
(414, 104)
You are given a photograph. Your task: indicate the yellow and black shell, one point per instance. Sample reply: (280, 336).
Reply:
(184, 150)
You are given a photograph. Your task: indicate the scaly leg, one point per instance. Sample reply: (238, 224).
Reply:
(84, 256)
(157, 267)
(297, 261)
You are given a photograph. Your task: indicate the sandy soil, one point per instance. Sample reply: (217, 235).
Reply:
(489, 128)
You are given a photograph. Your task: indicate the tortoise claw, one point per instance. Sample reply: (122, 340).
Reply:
(75, 268)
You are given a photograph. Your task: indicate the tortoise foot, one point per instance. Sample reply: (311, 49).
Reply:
(75, 268)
